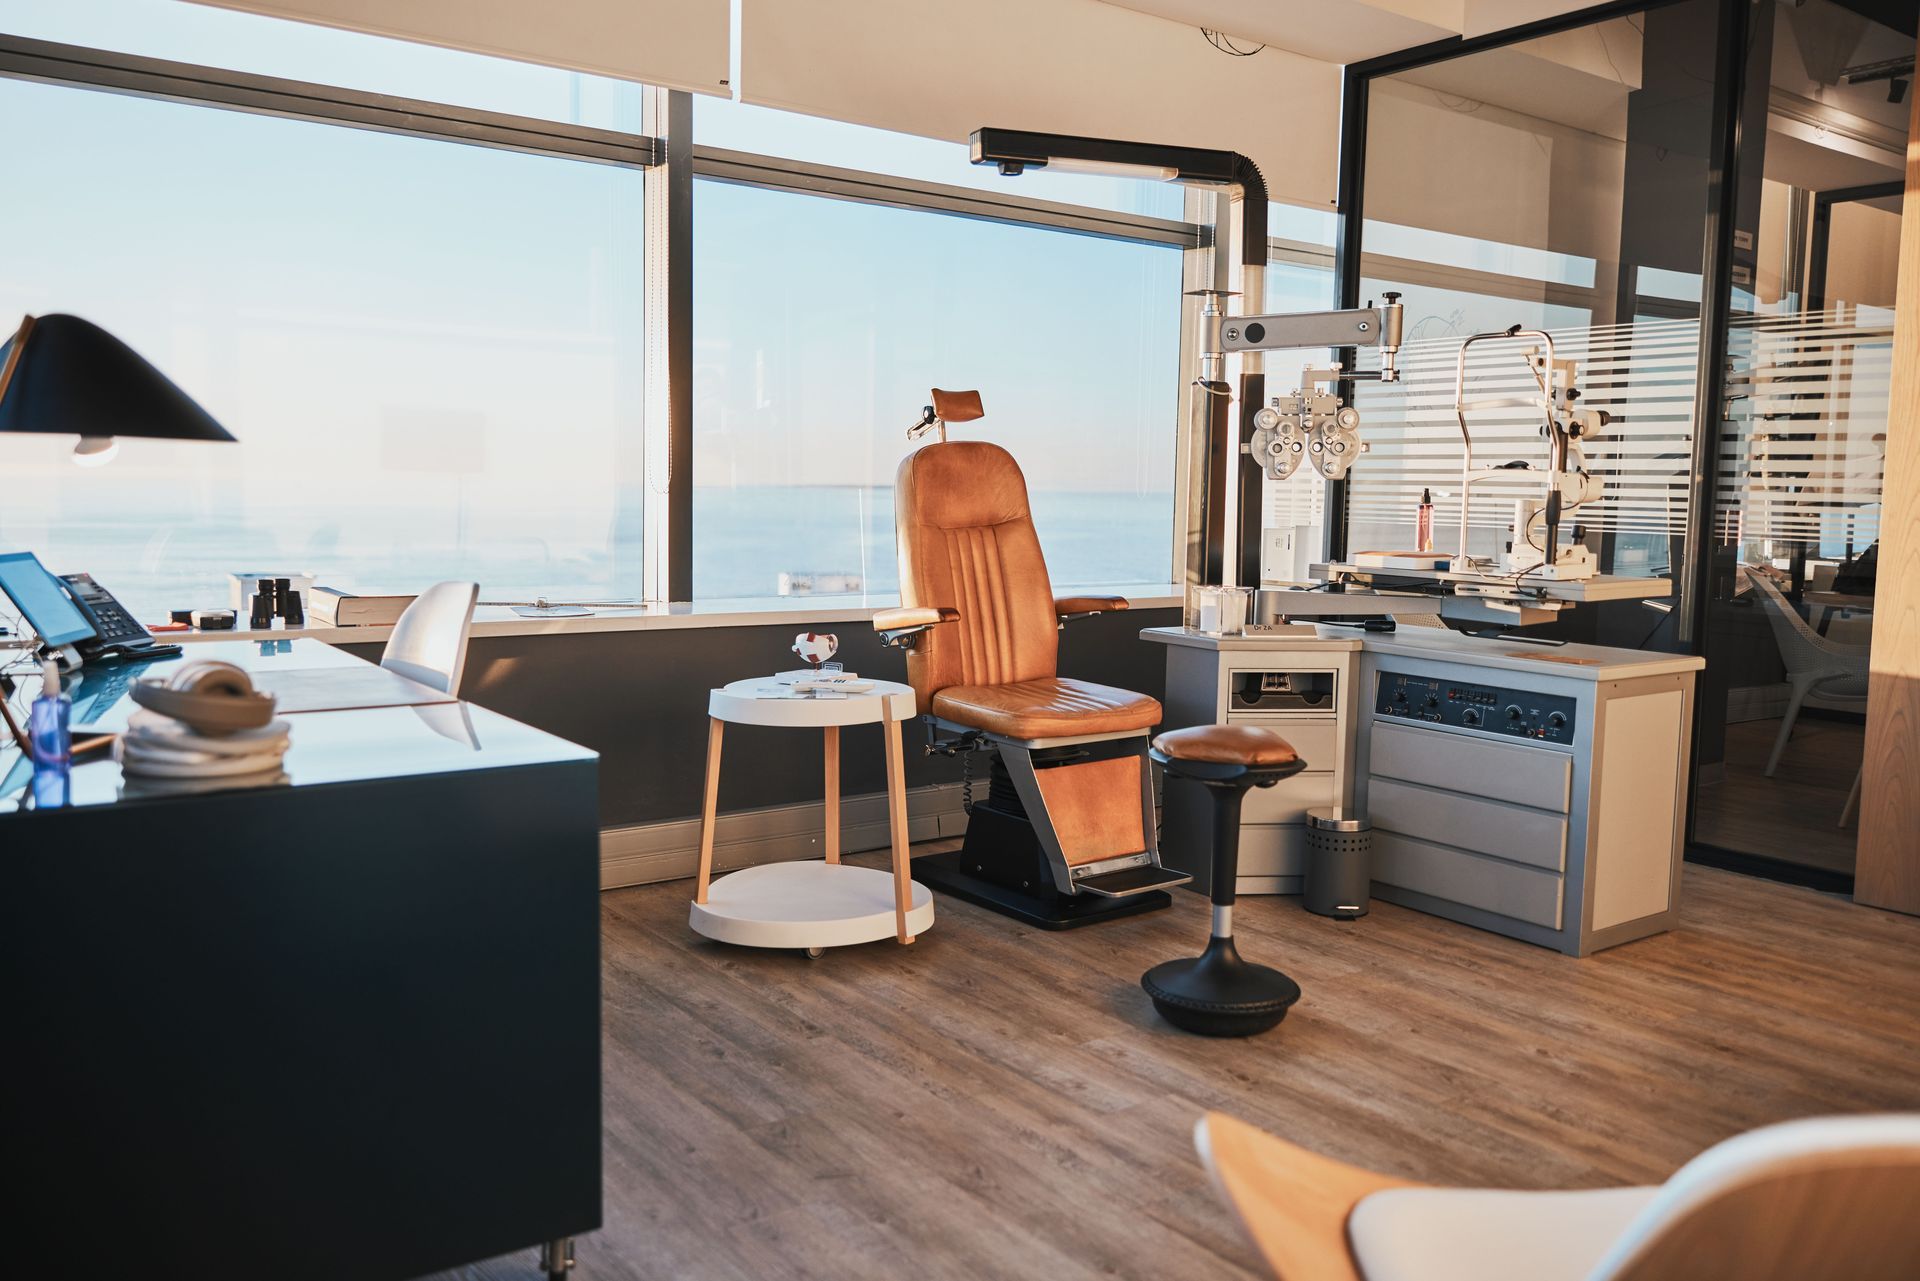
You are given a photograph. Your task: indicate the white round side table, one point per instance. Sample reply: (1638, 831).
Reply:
(807, 904)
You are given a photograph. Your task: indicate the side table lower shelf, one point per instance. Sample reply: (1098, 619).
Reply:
(808, 905)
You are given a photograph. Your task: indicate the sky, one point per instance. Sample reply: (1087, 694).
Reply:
(433, 354)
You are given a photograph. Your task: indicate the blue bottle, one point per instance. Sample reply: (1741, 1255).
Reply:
(52, 738)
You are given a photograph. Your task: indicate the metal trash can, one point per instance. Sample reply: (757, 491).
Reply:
(1339, 865)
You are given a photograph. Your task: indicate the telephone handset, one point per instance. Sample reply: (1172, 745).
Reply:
(118, 636)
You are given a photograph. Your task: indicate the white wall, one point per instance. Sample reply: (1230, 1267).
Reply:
(1454, 165)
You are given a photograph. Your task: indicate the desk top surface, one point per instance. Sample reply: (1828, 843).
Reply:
(347, 746)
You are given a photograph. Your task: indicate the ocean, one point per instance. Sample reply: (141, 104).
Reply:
(174, 553)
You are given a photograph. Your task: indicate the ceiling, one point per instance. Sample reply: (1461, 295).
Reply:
(1344, 31)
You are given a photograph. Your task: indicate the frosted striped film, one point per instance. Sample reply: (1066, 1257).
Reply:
(1801, 457)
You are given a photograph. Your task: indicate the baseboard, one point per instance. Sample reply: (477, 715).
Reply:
(670, 851)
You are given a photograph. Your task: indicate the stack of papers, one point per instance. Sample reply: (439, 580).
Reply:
(811, 684)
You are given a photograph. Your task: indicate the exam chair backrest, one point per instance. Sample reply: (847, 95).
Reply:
(1824, 1199)
(966, 539)
(429, 643)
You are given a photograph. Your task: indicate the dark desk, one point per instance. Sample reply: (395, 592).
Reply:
(347, 1026)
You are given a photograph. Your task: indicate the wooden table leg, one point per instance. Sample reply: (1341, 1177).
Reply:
(715, 725)
(833, 793)
(897, 826)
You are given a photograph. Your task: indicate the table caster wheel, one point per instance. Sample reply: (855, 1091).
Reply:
(556, 1258)
(815, 953)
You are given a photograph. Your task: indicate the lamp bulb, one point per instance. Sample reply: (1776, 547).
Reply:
(95, 451)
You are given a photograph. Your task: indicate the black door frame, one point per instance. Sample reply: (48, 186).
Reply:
(1822, 230)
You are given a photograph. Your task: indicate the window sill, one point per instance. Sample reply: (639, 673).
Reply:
(790, 611)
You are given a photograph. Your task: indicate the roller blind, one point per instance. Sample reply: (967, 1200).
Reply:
(677, 44)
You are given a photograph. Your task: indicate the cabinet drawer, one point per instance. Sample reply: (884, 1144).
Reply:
(1288, 800)
(1273, 849)
(1316, 738)
(1522, 893)
(1485, 827)
(1537, 776)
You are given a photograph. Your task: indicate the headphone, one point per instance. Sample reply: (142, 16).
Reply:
(211, 696)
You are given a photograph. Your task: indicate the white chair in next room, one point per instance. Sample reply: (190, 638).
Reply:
(429, 643)
(1824, 1199)
(1815, 665)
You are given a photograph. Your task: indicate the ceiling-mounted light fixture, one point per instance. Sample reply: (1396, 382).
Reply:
(1897, 72)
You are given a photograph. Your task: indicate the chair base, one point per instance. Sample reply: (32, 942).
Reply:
(1218, 994)
(1047, 909)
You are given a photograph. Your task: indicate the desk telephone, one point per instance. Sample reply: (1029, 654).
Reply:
(118, 636)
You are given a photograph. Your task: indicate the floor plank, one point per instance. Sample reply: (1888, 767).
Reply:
(993, 1101)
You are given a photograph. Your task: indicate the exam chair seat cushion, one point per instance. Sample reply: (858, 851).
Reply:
(1469, 1234)
(1227, 745)
(1051, 707)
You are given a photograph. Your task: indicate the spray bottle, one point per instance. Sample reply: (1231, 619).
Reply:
(1423, 525)
(52, 739)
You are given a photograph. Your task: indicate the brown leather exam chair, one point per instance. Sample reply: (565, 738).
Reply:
(1065, 834)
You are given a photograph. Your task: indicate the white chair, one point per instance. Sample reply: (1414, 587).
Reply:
(429, 643)
(1826, 1199)
(1815, 665)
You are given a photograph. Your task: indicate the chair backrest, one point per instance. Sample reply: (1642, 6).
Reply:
(429, 643)
(965, 539)
(1826, 1199)
(1801, 648)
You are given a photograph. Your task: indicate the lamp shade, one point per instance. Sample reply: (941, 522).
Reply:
(71, 377)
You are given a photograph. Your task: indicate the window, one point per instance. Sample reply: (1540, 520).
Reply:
(820, 325)
(431, 353)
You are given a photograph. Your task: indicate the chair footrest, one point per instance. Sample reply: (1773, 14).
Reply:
(1131, 880)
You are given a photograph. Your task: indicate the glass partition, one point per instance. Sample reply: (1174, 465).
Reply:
(1556, 184)
(1802, 450)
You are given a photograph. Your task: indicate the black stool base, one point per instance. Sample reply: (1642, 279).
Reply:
(1218, 994)
(1047, 910)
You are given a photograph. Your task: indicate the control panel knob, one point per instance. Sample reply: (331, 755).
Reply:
(1433, 700)
(1399, 695)
(1558, 720)
(1513, 711)
(1470, 717)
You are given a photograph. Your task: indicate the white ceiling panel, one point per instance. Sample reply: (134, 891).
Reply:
(681, 44)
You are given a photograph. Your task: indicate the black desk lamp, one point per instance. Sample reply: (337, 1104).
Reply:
(67, 376)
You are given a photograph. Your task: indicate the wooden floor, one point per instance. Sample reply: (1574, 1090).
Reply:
(993, 1101)
(1795, 815)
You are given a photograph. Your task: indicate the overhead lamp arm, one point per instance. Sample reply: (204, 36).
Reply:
(1014, 151)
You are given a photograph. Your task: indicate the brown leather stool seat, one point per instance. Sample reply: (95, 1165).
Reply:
(1051, 707)
(1226, 745)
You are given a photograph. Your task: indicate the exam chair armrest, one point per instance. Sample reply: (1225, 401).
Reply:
(899, 626)
(1066, 607)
